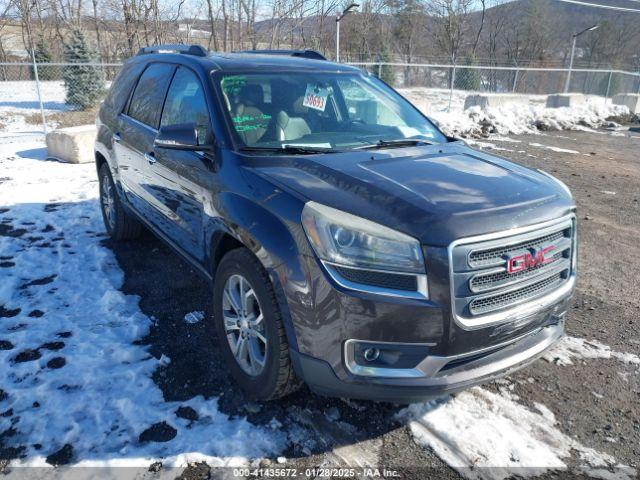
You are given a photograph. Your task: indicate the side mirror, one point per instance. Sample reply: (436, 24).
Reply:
(182, 136)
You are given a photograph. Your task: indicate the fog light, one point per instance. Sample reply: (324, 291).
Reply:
(371, 354)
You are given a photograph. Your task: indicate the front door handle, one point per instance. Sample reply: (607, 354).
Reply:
(116, 137)
(151, 158)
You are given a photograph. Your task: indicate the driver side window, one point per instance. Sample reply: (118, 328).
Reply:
(186, 103)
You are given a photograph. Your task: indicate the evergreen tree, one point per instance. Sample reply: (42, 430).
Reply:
(386, 71)
(84, 83)
(467, 78)
(43, 55)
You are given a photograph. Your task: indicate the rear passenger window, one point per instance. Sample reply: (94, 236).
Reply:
(186, 103)
(146, 102)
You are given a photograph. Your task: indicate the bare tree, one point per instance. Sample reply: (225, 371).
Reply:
(450, 19)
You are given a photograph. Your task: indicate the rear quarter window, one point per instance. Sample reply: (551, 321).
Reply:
(147, 98)
(122, 85)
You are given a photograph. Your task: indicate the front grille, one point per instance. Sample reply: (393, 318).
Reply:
(481, 284)
(394, 281)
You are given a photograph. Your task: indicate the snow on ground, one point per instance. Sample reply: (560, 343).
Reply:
(513, 436)
(553, 149)
(20, 99)
(194, 317)
(571, 348)
(71, 372)
(486, 435)
(23, 96)
(513, 119)
(486, 145)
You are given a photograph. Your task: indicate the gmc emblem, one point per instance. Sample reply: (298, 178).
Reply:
(529, 260)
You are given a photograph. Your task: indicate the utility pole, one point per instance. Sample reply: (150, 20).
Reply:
(37, 79)
(573, 51)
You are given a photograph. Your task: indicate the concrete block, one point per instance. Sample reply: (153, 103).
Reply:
(631, 100)
(493, 100)
(72, 144)
(566, 100)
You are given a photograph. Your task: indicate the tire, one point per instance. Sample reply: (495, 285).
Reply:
(276, 377)
(120, 225)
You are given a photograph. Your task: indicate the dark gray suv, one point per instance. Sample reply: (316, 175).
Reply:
(349, 243)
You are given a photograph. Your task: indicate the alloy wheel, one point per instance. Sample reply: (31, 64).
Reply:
(107, 198)
(244, 325)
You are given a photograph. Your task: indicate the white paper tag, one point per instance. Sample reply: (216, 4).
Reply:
(315, 97)
(311, 145)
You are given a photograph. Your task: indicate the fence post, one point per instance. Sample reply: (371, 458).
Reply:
(515, 81)
(606, 95)
(379, 70)
(35, 74)
(453, 79)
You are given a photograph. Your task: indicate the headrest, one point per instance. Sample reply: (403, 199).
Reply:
(298, 106)
(282, 119)
(251, 95)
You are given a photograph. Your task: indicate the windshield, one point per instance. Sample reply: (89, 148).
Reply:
(320, 111)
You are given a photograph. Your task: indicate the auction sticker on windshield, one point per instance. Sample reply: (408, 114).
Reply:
(315, 97)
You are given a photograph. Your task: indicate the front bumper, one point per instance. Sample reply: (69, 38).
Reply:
(448, 375)
(327, 320)
(423, 347)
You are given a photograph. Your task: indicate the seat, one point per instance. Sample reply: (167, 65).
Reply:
(249, 118)
(292, 128)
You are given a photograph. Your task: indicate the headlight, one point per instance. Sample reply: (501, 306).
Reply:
(344, 239)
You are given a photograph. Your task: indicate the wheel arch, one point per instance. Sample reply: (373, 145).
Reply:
(100, 160)
(252, 226)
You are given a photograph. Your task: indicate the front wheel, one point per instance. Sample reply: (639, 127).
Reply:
(249, 327)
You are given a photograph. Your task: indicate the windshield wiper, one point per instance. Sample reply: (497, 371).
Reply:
(289, 149)
(402, 142)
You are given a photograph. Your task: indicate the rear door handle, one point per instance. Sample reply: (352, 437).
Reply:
(151, 158)
(116, 137)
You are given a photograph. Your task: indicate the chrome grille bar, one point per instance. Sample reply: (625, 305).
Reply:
(495, 256)
(491, 303)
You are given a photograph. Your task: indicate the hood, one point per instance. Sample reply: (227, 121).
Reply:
(434, 193)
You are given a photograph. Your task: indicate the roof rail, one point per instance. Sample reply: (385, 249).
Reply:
(195, 50)
(311, 54)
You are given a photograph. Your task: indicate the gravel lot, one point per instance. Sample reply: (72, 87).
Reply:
(594, 401)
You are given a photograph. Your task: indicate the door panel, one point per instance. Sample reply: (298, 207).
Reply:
(137, 128)
(136, 139)
(182, 184)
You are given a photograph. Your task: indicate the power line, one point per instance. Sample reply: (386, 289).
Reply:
(609, 7)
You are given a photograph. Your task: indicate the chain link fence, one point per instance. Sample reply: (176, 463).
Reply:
(500, 79)
(35, 97)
